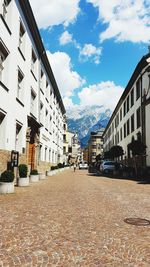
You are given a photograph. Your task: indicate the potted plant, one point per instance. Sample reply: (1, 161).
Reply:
(34, 176)
(23, 179)
(7, 182)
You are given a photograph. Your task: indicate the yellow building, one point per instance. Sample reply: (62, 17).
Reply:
(95, 145)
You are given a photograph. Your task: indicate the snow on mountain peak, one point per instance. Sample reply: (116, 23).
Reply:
(87, 119)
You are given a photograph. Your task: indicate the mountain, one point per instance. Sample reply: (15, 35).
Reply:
(87, 119)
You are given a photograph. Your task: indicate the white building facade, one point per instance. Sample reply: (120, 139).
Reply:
(131, 115)
(31, 107)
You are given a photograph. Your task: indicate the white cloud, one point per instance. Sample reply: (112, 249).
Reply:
(51, 12)
(68, 103)
(89, 51)
(67, 79)
(104, 93)
(125, 20)
(65, 38)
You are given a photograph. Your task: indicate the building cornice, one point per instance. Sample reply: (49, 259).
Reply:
(32, 25)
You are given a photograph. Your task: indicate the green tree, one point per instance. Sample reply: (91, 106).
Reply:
(116, 151)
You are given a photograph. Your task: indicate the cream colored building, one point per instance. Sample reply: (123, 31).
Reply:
(31, 107)
(131, 116)
(95, 145)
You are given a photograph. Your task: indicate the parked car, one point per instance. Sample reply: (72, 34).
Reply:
(109, 166)
(83, 165)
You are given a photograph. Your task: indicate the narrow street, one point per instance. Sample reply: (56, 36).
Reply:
(74, 219)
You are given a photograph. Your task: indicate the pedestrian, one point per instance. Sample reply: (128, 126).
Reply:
(74, 167)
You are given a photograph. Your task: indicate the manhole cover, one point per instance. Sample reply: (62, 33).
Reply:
(137, 221)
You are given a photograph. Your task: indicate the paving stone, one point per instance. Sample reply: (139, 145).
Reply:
(74, 219)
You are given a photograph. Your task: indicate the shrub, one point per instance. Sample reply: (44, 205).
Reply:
(52, 168)
(34, 172)
(7, 177)
(60, 165)
(23, 170)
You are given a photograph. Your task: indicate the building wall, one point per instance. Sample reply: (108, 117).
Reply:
(36, 90)
(112, 134)
(95, 146)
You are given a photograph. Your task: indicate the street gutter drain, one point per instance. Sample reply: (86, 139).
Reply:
(137, 221)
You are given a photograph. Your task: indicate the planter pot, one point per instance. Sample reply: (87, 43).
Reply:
(49, 173)
(23, 181)
(6, 188)
(34, 178)
(42, 176)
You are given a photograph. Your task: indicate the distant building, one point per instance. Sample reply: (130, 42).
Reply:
(131, 117)
(95, 145)
(76, 148)
(31, 107)
(85, 154)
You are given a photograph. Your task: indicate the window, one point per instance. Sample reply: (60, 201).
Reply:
(64, 150)
(5, 8)
(128, 127)
(128, 103)
(132, 97)
(21, 37)
(18, 138)
(49, 155)
(33, 103)
(50, 123)
(121, 114)
(2, 128)
(117, 120)
(117, 137)
(33, 63)
(20, 85)
(138, 117)
(46, 119)
(64, 138)
(45, 153)
(112, 127)
(3, 55)
(121, 134)
(41, 113)
(132, 123)
(138, 89)
(124, 130)
(124, 108)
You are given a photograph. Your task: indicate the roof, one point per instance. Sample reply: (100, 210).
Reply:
(140, 66)
(31, 22)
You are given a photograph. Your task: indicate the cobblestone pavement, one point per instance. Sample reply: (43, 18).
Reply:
(73, 219)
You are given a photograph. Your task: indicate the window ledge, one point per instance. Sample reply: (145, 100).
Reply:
(21, 53)
(6, 25)
(33, 75)
(41, 91)
(20, 102)
(46, 99)
(4, 86)
(33, 115)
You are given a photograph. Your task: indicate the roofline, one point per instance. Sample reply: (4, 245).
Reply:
(31, 22)
(141, 65)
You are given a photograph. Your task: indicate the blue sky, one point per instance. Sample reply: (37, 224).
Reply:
(93, 46)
